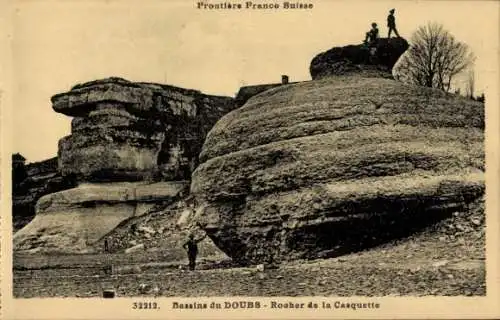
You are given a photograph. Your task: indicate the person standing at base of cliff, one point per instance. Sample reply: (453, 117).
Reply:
(391, 23)
(106, 245)
(192, 249)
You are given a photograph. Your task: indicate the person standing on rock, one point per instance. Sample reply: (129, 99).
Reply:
(391, 23)
(192, 249)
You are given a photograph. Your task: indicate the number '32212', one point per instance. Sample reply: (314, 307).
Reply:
(145, 305)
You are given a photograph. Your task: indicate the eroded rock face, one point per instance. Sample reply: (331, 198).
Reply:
(375, 60)
(110, 144)
(125, 131)
(74, 219)
(124, 137)
(335, 165)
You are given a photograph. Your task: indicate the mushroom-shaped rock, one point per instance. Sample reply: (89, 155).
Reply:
(329, 166)
(125, 131)
(377, 58)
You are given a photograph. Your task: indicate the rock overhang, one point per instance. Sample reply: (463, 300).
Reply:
(131, 129)
(139, 98)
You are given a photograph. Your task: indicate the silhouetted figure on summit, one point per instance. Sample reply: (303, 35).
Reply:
(372, 35)
(391, 23)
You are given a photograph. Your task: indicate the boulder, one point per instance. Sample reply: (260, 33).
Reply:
(135, 248)
(145, 229)
(185, 218)
(376, 59)
(336, 165)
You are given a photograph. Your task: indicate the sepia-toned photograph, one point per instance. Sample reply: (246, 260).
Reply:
(267, 149)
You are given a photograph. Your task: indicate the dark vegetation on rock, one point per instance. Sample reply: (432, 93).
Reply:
(377, 59)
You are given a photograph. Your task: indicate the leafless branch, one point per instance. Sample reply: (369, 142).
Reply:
(434, 58)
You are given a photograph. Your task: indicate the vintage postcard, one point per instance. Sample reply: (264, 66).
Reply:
(269, 159)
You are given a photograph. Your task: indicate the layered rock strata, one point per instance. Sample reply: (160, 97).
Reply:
(132, 146)
(133, 131)
(72, 220)
(330, 166)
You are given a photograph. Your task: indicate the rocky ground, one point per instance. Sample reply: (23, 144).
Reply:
(165, 227)
(446, 259)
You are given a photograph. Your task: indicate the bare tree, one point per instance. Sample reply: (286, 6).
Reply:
(470, 84)
(434, 58)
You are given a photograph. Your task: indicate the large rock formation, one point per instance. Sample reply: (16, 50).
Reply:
(131, 131)
(377, 59)
(343, 163)
(124, 138)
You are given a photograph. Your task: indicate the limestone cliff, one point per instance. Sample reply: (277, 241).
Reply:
(337, 164)
(132, 147)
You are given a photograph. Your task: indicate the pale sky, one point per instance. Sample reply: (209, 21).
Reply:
(57, 44)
